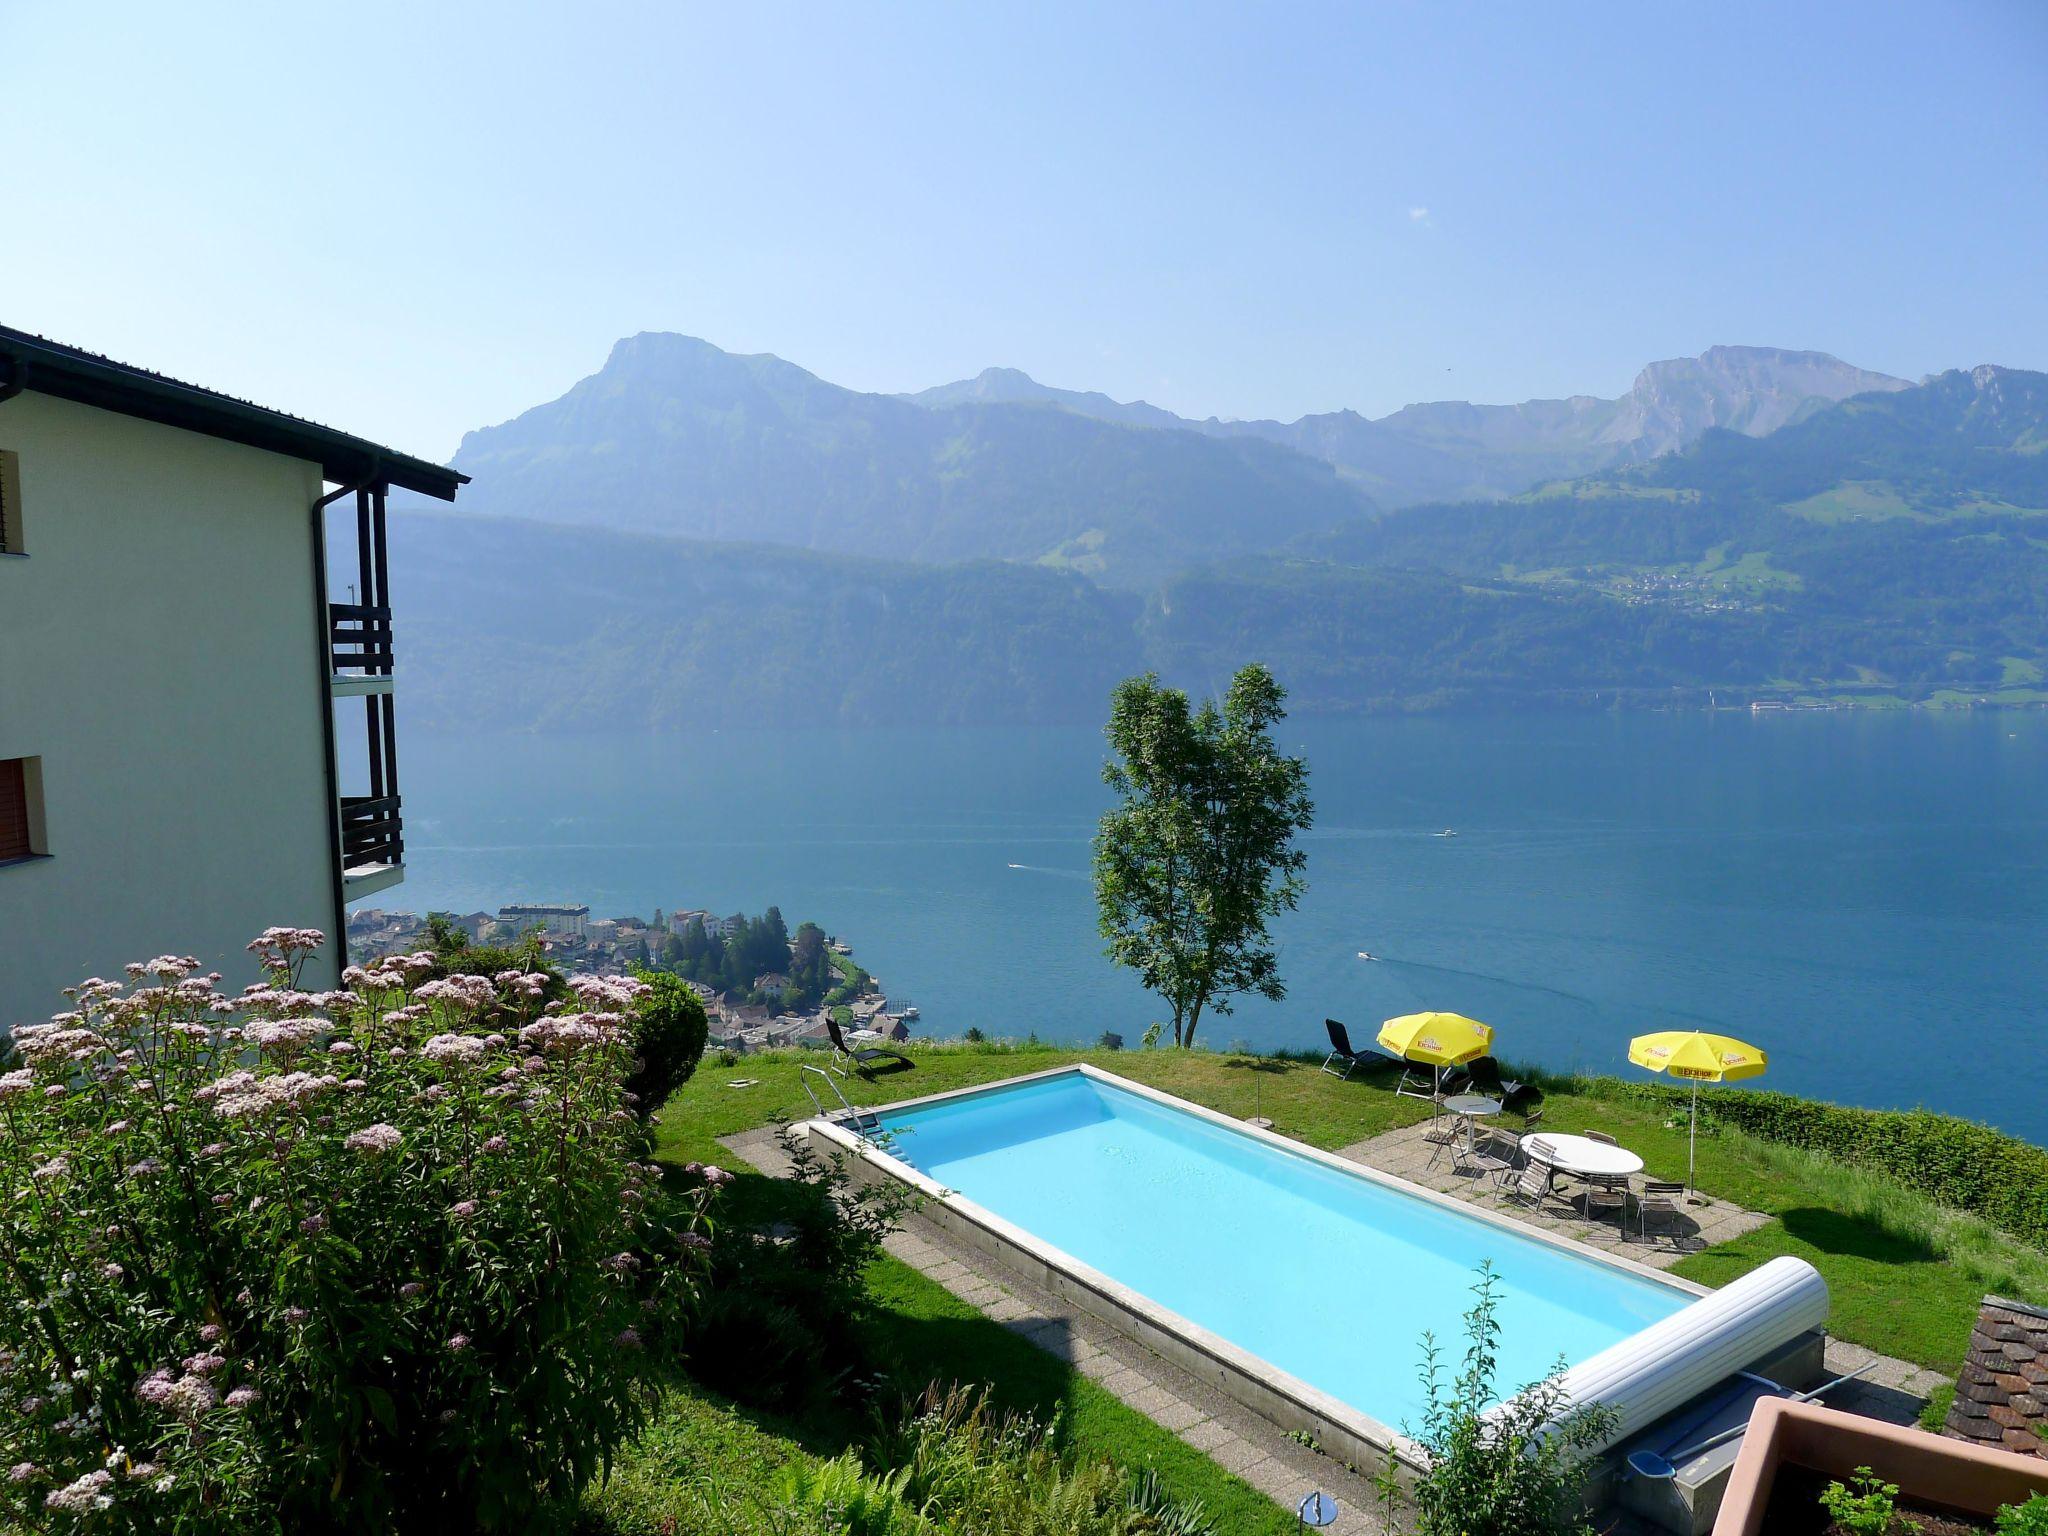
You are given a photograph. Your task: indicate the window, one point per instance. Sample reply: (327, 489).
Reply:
(21, 819)
(10, 503)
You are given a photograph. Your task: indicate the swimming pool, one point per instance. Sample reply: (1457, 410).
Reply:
(1330, 1273)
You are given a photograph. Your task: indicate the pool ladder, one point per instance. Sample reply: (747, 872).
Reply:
(847, 1113)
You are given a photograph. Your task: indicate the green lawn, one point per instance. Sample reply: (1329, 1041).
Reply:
(709, 1467)
(1904, 1279)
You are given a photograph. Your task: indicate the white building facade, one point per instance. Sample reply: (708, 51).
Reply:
(173, 673)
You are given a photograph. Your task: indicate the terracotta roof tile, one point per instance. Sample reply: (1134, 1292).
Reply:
(2002, 1391)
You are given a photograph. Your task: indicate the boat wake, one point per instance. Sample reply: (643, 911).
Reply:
(1042, 869)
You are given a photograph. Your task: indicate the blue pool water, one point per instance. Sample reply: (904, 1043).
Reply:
(1331, 1277)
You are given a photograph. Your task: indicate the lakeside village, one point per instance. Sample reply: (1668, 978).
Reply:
(763, 987)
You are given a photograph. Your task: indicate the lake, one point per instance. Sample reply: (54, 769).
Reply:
(1862, 895)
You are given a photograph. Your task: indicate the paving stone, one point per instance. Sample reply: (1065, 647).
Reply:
(1153, 1400)
(1126, 1382)
(1207, 1435)
(1177, 1414)
(1100, 1366)
(1234, 1455)
(1277, 1481)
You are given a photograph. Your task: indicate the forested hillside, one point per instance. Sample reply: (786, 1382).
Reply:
(1890, 548)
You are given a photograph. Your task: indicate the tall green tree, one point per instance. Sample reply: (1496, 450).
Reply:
(1198, 852)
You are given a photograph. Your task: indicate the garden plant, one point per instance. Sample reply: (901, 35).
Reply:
(1516, 1467)
(383, 1257)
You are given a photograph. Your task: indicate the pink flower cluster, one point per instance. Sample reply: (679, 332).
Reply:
(280, 946)
(464, 994)
(52, 1043)
(243, 1095)
(458, 1048)
(85, 1495)
(375, 1140)
(571, 1033)
(608, 993)
(187, 1397)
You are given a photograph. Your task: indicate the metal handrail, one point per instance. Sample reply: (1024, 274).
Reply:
(861, 1119)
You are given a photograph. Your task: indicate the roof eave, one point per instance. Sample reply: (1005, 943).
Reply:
(67, 374)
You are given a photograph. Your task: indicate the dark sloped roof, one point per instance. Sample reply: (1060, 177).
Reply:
(2002, 1393)
(51, 368)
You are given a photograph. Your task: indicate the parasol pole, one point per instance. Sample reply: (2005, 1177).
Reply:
(1692, 1137)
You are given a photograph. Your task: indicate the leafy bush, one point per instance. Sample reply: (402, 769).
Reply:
(669, 1030)
(2028, 1519)
(1869, 1509)
(453, 954)
(1518, 1469)
(371, 1259)
(1957, 1163)
(777, 1326)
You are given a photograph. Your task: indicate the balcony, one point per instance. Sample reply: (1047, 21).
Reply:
(359, 648)
(360, 661)
(372, 844)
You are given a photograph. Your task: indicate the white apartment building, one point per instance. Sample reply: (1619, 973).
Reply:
(173, 666)
(557, 920)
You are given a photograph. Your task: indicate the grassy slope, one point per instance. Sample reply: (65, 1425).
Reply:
(1905, 1279)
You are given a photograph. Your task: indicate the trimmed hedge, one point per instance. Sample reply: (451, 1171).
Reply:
(1956, 1163)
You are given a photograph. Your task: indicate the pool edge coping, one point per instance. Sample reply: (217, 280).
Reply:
(1332, 1160)
(1260, 1373)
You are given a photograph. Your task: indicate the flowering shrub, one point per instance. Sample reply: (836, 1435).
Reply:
(378, 1258)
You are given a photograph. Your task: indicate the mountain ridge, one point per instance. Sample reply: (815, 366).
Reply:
(1459, 450)
(674, 435)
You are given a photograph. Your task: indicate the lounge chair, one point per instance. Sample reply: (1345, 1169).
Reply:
(1658, 1198)
(863, 1058)
(1483, 1076)
(1419, 1082)
(1341, 1049)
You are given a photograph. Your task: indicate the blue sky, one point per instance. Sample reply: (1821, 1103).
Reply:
(409, 220)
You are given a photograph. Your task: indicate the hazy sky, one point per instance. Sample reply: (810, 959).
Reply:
(408, 220)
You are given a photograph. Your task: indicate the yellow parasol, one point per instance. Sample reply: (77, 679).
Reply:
(1436, 1040)
(1702, 1058)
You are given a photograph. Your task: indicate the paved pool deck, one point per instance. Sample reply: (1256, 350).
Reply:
(1242, 1442)
(1889, 1389)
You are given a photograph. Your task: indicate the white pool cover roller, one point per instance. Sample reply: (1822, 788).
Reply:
(1672, 1362)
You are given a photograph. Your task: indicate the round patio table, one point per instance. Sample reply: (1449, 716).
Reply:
(1470, 1107)
(1472, 1104)
(1584, 1156)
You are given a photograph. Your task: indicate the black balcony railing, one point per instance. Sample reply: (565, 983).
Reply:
(359, 638)
(371, 832)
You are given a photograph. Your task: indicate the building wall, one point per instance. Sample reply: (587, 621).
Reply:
(158, 652)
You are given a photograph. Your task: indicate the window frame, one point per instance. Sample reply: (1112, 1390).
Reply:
(35, 826)
(11, 536)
